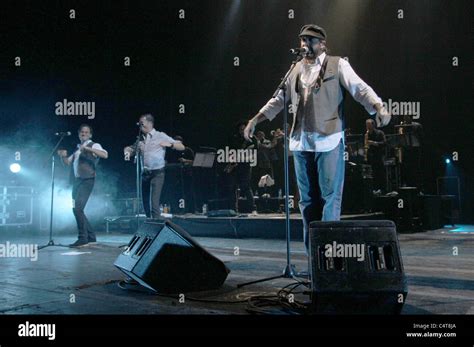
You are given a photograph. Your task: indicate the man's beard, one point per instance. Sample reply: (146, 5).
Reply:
(311, 54)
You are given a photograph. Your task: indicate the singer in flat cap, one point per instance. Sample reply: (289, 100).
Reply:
(316, 89)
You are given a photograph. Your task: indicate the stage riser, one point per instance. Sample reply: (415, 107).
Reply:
(249, 227)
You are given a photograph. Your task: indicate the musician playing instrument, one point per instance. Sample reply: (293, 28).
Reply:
(265, 154)
(241, 173)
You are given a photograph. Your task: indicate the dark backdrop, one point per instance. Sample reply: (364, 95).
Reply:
(191, 62)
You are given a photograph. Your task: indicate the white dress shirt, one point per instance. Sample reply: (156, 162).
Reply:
(360, 91)
(154, 154)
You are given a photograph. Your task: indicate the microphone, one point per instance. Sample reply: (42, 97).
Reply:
(300, 51)
(63, 133)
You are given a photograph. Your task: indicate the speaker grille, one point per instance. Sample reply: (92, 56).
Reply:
(143, 247)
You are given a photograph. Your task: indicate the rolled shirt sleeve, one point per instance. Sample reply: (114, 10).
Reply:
(99, 147)
(360, 91)
(275, 105)
(168, 138)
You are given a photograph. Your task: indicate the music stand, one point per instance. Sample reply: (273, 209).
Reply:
(205, 160)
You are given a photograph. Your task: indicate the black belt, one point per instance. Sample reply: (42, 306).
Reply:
(149, 172)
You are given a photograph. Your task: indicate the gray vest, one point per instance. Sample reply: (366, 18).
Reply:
(318, 109)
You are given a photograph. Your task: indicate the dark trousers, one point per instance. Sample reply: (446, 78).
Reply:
(81, 191)
(378, 172)
(242, 179)
(152, 185)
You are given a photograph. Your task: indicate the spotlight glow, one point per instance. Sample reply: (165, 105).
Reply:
(15, 167)
(448, 161)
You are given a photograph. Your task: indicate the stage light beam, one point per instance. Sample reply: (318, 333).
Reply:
(15, 168)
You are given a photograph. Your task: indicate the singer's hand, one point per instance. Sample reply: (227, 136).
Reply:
(62, 153)
(383, 117)
(249, 129)
(141, 146)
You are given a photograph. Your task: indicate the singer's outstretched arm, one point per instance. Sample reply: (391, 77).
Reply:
(98, 152)
(63, 155)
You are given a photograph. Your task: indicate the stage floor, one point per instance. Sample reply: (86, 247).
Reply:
(85, 281)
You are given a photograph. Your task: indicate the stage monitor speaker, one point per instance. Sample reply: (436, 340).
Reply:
(356, 268)
(164, 258)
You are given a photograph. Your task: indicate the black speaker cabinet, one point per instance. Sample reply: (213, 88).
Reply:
(164, 258)
(356, 268)
(358, 186)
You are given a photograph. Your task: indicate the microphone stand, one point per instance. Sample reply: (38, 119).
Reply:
(138, 166)
(289, 271)
(53, 170)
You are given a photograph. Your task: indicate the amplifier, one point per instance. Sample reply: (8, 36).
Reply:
(16, 206)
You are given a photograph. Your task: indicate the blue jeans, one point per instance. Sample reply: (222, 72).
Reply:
(320, 177)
